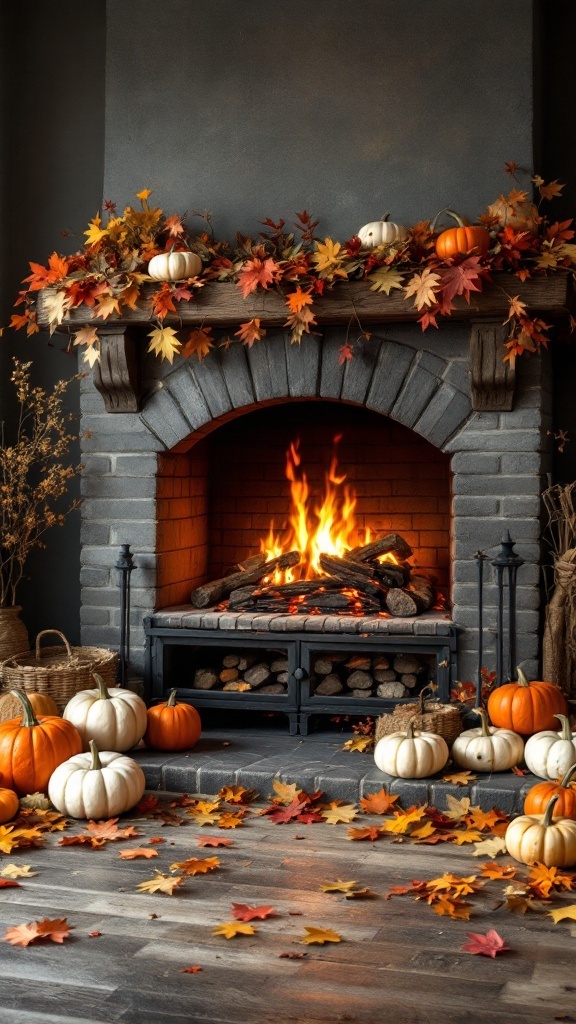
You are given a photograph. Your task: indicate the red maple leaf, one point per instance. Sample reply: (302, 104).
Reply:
(163, 301)
(244, 912)
(485, 945)
(345, 353)
(258, 273)
(461, 279)
(281, 815)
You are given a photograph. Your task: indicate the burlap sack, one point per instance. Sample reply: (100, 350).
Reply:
(559, 646)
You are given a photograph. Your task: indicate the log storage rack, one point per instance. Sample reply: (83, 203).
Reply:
(118, 375)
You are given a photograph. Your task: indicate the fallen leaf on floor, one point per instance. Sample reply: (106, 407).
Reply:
(455, 885)
(12, 838)
(361, 894)
(489, 944)
(335, 813)
(518, 901)
(98, 833)
(519, 771)
(18, 871)
(359, 743)
(471, 835)
(230, 820)
(542, 880)
(338, 886)
(6, 883)
(402, 820)
(292, 956)
(489, 847)
(213, 841)
(25, 934)
(156, 840)
(371, 832)
(457, 809)
(378, 803)
(457, 909)
(477, 818)
(459, 778)
(285, 792)
(244, 912)
(492, 870)
(281, 814)
(563, 913)
(94, 935)
(196, 865)
(202, 818)
(190, 970)
(161, 883)
(425, 832)
(137, 851)
(319, 936)
(232, 928)
(237, 795)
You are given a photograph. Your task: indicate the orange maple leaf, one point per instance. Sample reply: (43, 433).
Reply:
(543, 880)
(41, 277)
(138, 851)
(454, 908)
(298, 299)
(258, 273)
(492, 870)
(236, 795)
(199, 343)
(24, 934)
(244, 912)
(163, 301)
(213, 841)
(191, 970)
(250, 332)
(371, 832)
(378, 803)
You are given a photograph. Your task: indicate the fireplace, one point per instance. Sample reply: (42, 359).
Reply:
(193, 481)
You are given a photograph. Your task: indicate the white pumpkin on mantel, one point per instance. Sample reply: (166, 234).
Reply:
(174, 266)
(487, 749)
(410, 754)
(116, 719)
(98, 785)
(550, 754)
(382, 232)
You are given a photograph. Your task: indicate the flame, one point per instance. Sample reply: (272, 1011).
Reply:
(322, 526)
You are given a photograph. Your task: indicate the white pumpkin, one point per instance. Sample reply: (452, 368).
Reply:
(535, 837)
(550, 754)
(382, 232)
(410, 754)
(174, 266)
(487, 749)
(97, 785)
(116, 719)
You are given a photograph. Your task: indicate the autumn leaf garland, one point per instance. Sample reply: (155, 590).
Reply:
(109, 273)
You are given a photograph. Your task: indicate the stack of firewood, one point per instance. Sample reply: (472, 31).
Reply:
(363, 675)
(239, 673)
(358, 584)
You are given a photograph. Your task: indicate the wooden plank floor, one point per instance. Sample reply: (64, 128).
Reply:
(398, 960)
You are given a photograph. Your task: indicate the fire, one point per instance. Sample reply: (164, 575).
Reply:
(315, 527)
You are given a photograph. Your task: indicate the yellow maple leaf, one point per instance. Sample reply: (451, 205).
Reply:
(319, 935)
(384, 279)
(229, 929)
(196, 865)
(86, 336)
(95, 232)
(91, 355)
(144, 194)
(456, 809)
(228, 820)
(164, 343)
(428, 829)
(161, 883)
(338, 886)
(328, 260)
(106, 305)
(448, 907)
(202, 818)
(56, 306)
(489, 847)
(8, 839)
(422, 287)
(459, 778)
(564, 913)
(481, 819)
(18, 871)
(471, 835)
(455, 885)
(286, 792)
(400, 823)
(335, 814)
(360, 743)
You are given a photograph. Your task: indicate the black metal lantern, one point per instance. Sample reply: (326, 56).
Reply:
(124, 565)
(506, 564)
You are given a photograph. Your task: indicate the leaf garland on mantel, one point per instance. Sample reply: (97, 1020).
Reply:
(108, 273)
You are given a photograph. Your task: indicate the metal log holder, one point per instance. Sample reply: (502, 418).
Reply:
(125, 566)
(506, 564)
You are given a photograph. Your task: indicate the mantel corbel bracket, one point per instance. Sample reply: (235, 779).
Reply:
(492, 381)
(117, 375)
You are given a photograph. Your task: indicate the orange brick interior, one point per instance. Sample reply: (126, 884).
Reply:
(216, 501)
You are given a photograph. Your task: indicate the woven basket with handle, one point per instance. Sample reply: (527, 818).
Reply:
(428, 715)
(59, 672)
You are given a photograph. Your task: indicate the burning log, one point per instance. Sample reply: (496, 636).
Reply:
(211, 593)
(351, 574)
(401, 603)
(392, 543)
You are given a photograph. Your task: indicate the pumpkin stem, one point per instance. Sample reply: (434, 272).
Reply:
(522, 680)
(566, 780)
(451, 213)
(566, 733)
(28, 717)
(484, 720)
(102, 691)
(171, 702)
(385, 216)
(410, 730)
(549, 809)
(96, 762)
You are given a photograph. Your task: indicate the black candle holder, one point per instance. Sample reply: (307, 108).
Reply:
(125, 566)
(506, 564)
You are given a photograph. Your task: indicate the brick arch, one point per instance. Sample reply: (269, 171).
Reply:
(399, 380)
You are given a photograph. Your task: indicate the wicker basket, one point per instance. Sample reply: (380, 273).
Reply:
(428, 715)
(59, 672)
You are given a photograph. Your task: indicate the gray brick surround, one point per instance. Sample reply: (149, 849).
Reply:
(499, 460)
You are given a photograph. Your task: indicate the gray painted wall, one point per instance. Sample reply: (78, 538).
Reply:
(259, 108)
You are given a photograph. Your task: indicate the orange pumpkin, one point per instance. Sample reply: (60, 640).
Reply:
(10, 706)
(462, 239)
(31, 748)
(526, 707)
(538, 797)
(9, 804)
(172, 726)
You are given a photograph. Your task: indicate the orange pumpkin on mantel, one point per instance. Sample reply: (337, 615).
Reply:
(172, 726)
(10, 706)
(9, 804)
(538, 797)
(465, 238)
(31, 748)
(526, 707)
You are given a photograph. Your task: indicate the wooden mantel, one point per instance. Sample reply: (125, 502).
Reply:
(220, 305)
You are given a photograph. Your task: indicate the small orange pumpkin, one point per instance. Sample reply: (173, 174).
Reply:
(9, 804)
(537, 798)
(465, 238)
(31, 748)
(526, 707)
(172, 726)
(10, 706)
